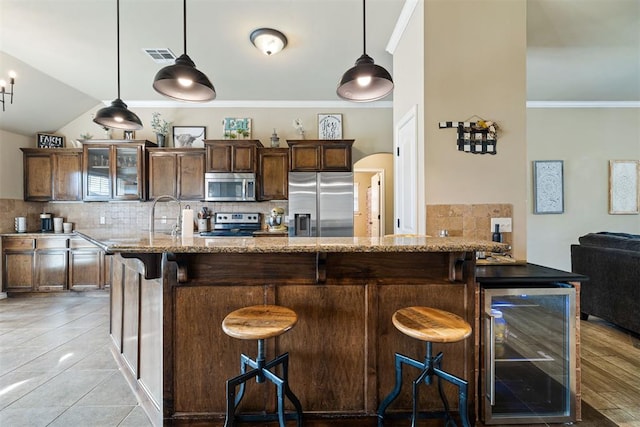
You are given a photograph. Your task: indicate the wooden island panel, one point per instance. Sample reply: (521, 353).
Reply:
(341, 350)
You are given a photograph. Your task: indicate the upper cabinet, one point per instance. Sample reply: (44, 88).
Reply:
(231, 155)
(52, 174)
(178, 172)
(273, 173)
(320, 155)
(114, 170)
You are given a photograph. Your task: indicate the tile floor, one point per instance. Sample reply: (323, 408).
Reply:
(56, 368)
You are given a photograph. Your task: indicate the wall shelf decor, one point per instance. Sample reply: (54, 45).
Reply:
(479, 137)
(548, 191)
(624, 187)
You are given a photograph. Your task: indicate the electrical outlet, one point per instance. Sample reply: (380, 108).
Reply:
(103, 220)
(505, 224)
(164, 219)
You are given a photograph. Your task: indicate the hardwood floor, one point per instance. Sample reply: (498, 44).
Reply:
(611, 371)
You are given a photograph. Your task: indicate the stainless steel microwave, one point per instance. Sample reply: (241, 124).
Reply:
(230, 187)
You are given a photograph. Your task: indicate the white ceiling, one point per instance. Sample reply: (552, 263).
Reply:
(64, 51)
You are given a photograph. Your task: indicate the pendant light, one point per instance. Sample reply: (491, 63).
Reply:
(117, 115)
(182, 80)
(366, 81)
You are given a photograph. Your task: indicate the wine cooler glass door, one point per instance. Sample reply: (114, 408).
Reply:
(529, 354)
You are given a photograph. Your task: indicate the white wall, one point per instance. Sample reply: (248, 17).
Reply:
(409, 79)
(474, 63)
(585, 140)
(11, 180)
(370, 127)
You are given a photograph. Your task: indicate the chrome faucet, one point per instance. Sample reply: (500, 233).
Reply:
(176, 228)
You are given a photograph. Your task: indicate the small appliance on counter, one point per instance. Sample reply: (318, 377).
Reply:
(234, 225)
(275, 221)
(46, 222)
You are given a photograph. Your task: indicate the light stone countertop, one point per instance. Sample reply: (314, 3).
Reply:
(143, 242)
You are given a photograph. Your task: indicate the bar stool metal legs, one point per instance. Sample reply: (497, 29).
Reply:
(430, 367)
(261, 370)
(259, 322)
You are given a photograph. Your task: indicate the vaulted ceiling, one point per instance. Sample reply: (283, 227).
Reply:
(65, 51)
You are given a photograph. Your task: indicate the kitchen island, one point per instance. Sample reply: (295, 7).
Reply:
(169, 296)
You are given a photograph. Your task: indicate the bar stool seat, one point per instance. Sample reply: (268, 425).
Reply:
(429, 325)
(260, 322)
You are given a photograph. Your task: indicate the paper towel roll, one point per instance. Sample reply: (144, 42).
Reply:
(187, 222)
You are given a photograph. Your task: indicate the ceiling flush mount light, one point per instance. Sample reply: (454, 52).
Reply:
(268, 40)
(117, 115)
(182, 80)
(366, 81)
(3, 88)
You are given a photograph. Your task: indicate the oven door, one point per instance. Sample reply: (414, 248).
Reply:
(230, 187)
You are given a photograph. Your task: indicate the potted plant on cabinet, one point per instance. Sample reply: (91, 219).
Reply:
(160, 127)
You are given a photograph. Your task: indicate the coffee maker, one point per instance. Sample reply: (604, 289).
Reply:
(46, 222)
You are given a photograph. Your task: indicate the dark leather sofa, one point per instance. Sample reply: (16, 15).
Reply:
(612, 263)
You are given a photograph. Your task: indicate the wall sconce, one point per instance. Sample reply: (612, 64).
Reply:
(268, 40)
(3, 89)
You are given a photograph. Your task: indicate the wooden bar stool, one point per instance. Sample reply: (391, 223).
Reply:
(259, 322)
(429, 325)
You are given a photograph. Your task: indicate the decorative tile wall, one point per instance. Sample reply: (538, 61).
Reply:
(471, 221)
(117, 215)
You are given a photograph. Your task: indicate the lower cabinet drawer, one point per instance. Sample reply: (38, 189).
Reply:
(18, 243)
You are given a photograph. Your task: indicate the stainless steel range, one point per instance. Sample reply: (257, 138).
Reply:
(234, 225)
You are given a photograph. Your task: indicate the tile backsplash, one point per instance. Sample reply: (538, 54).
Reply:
(470, 221)
(117, 215)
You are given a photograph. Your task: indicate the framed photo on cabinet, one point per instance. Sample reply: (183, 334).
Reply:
(189, 136)
(548, 187)
(329, 126)
(624, 188)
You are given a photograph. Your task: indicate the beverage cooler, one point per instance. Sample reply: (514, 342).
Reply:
(528, 354)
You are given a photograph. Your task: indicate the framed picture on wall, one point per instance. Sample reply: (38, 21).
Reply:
(548, 187)
(624, 189)
(189, 136)
(329, 126)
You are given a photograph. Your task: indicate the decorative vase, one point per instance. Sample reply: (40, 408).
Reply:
(160, 138)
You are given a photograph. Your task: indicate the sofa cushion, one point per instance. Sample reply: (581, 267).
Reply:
(625, 241)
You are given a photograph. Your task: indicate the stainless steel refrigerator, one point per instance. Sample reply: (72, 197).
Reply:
(321, 204)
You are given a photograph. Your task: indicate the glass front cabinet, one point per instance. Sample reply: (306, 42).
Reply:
(529, 354)
(114, 170)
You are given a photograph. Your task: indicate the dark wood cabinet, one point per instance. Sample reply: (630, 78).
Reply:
(52, 174)
(273, 173)
(51, 262)
(320, 155)
(114, 169)
(231, 156)
(86, 265)
(178, 172)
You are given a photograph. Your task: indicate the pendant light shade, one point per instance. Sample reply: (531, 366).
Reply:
(117, 115)
(366, 81)
(182, 80)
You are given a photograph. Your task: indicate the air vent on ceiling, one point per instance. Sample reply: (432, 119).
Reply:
(160, 55)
